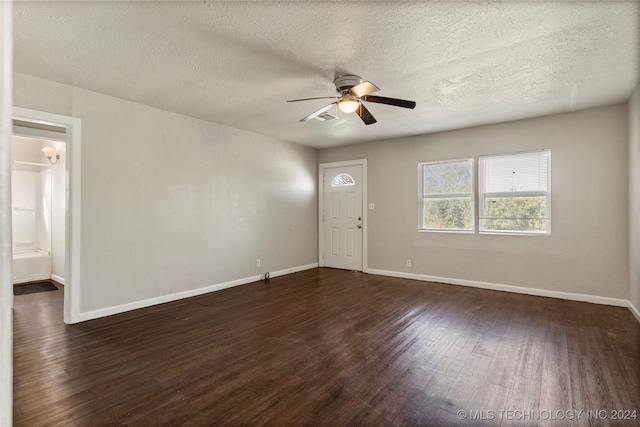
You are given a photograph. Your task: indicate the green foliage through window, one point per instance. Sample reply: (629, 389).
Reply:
(448, 214)
(523, 214)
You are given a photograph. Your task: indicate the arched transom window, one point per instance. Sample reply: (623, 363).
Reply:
(343, 179)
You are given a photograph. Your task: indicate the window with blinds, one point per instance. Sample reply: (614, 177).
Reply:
(514, 193)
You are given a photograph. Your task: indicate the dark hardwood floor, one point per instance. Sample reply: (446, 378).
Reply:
(332, 348)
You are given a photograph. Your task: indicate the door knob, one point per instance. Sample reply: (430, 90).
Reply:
(359, 225)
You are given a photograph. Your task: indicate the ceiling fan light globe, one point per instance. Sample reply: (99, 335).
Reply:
(348, 106)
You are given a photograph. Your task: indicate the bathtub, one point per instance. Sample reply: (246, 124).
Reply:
(29, 266)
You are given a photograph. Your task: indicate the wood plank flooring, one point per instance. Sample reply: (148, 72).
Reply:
(329, 348)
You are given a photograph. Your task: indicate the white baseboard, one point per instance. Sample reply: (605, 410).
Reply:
(634, 310)
(31, 279)
(57, 279)
(508, 288)
(103, 312)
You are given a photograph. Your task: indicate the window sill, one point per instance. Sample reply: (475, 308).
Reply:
(446, 231)
(513, 233)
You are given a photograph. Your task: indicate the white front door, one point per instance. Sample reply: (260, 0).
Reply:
(342, 217)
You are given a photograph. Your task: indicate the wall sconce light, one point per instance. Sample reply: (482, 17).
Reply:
(49, 152)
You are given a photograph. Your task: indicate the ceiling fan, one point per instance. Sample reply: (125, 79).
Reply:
(353, 90)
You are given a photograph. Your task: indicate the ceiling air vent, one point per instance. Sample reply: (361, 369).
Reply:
(325, 116)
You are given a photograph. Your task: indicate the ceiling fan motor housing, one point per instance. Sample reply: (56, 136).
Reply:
(344, 83)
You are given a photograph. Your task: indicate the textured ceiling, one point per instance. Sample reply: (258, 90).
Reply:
(236, 63)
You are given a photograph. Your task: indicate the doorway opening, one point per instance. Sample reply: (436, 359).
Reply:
(38, 187)
(46, 206)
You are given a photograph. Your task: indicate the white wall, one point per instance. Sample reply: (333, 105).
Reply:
(171, 204)
(587, 251)
(634, 199)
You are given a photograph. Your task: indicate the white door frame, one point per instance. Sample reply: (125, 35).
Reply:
(365, 222)
(6, 253)
(72, 204)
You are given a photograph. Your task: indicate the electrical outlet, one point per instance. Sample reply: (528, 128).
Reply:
(372, 206)
(408, 263)
(258, 262)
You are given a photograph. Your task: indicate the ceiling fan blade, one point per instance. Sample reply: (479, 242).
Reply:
(365, 115)
(364, 88)
(308, 99)
(317, 113)
(391, 101)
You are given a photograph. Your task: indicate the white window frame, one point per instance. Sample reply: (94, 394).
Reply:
(483, 195)
(467, 195)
